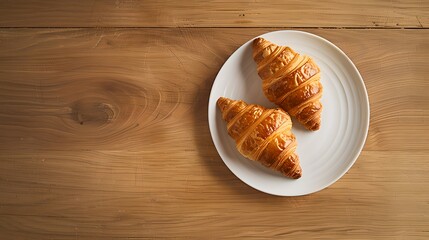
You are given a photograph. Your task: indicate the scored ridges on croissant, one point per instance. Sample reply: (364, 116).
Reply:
(290, 80)
(263, 135)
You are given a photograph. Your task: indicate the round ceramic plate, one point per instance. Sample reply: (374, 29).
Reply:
(325, 155)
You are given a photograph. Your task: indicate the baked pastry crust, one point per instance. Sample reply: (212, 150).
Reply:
(290, 80)
(263, 135)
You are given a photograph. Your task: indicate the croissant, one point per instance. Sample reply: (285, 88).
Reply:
(262, 134)
(290, 80)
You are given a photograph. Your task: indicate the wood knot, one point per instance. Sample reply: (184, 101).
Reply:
(90, 112)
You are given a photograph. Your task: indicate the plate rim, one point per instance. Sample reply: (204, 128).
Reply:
(361, 84)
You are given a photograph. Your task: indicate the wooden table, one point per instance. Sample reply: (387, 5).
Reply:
(104, 134)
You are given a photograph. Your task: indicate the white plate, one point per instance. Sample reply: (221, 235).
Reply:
(325, 155)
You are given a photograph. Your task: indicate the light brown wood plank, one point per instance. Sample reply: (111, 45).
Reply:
(140, 13)
(120, 194)
(104, 135)
(110, 89)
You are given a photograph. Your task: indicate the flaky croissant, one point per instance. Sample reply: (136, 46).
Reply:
(290, 80)
(262, 134)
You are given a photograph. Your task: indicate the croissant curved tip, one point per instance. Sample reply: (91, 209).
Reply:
(221, 99)
(257, 41)
(221, 102)
(297, 174)
(315, 127)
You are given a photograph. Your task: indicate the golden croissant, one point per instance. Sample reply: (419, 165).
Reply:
(263, 135)
(290, 80)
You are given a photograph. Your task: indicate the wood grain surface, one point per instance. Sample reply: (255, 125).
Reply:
(104, 133)
(278, 13)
